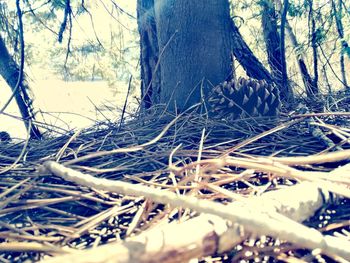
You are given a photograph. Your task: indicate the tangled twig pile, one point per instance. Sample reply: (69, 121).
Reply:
(167, 167)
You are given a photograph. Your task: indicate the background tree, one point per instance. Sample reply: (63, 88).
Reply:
(84, 53)
(314, 35)
(98, 57)
(272, 39)
(275, 45)
(337, 9)
(298, 49)
(13, 74)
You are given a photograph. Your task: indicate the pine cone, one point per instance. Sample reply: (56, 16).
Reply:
(244, 98)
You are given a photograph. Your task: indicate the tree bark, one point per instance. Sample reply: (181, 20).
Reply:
(286, 91)
(300, 56)
(272, 40)
(9, 70)
(275, 48)
(338, 14)
(150, 69)
(185, 49)
(313, 90)
(195, 43)
(251, 64)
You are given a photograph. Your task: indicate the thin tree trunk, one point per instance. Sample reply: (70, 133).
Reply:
(275, 48)
(286, 91)
(251, 64)
(272, 40)
(9, 70)
(338, 14)
(314, 88)
(149, 58)
(300, 56)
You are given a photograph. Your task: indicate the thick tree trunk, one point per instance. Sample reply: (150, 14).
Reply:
(194, 40)
(10, 72)
(194, 49)
(186, 49)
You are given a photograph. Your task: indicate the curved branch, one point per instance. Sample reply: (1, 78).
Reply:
(67, 12)
(251, 64)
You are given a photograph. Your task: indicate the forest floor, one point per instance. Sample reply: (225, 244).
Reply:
(46, 212)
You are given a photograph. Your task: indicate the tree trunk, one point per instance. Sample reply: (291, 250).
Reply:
(275, 48)
(313, 90)
(286, 91)
(150, 69)
(300, 55)
(251, 64)
(193, 49)
(9, 70)
(272, 40)
(186, 49)
(338, 14)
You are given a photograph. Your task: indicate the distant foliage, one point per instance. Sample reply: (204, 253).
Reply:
(296, 9)
(92, 48)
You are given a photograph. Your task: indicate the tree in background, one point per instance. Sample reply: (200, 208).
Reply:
(97, 58)
(13, 74)
(84, 52)
(300, 54)
(275, 46)
(337, 9)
